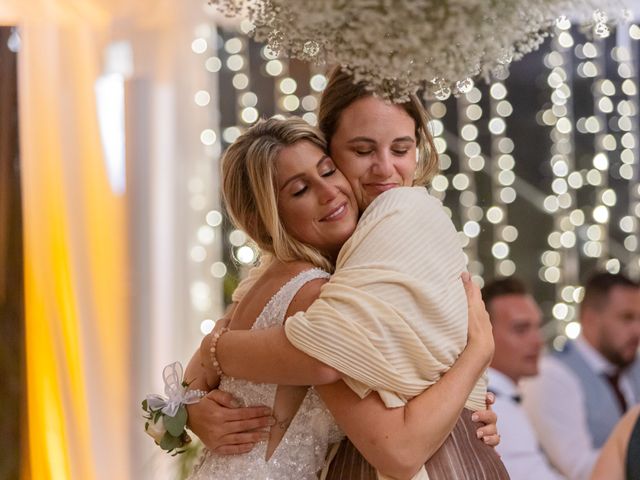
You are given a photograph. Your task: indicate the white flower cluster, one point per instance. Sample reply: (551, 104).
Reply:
(401, 46)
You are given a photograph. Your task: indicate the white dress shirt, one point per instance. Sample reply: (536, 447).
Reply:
(554, 402)
(518, 446)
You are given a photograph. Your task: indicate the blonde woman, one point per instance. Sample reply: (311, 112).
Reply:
(390, 320)
(285, 192)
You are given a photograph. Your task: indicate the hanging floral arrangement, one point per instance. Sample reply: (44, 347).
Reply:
(401, 46)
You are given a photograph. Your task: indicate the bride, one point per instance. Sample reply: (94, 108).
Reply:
(286, 193)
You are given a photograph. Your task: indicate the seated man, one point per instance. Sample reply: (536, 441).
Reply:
(582, 391)
(516, 320)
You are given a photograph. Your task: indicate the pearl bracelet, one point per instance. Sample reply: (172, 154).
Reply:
(212, 350)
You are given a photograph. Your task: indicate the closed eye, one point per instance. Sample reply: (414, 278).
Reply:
(328, 173)
(300, 192)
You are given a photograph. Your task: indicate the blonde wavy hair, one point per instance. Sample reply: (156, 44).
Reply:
(341, 92)
(250, 191)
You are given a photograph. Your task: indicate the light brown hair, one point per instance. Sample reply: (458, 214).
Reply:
(250, 191)
(341, 92)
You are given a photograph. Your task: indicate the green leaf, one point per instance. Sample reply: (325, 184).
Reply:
(145, 405)
(169, 442)
(175, 425)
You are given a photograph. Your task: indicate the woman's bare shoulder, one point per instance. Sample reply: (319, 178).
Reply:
(308, 294)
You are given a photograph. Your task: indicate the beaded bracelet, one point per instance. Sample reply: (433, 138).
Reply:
(212, 349)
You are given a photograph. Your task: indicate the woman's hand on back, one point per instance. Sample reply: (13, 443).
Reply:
(480, 331)
(488, 432)
(226, 428)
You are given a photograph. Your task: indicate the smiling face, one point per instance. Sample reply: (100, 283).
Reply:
(516, 320)
(374, 146)
(315, 202)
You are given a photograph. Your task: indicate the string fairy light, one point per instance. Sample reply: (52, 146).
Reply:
(470, 161)
(502, 178)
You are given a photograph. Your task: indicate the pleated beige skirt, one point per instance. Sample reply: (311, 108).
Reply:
(461, 457)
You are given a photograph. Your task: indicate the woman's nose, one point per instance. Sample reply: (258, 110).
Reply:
(327, 192)
(383, 165)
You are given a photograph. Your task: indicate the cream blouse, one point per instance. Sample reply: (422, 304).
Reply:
(393, 317)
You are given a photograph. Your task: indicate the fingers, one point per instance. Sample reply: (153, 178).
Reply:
(248, 425)
(487, 430)
(490, 400)
(492, 440)
(485, 417)
(224, 399)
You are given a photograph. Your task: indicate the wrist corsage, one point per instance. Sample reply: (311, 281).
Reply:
(167, 416)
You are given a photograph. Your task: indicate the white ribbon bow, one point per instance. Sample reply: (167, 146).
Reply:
(176, 393)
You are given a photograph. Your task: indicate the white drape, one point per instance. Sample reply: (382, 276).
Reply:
(84, 358)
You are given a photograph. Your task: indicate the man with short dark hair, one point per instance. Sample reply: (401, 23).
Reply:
(516, 320)
(582, 391)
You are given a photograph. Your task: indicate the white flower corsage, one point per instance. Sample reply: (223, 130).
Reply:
(167, 416)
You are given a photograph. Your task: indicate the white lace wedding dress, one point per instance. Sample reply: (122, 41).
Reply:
(302, 450)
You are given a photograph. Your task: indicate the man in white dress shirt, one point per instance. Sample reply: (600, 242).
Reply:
(516, 320)
(582, 391)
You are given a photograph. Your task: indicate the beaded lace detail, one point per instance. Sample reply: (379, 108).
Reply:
(302, 450)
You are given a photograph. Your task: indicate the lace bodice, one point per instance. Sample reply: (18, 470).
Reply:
(302, 450)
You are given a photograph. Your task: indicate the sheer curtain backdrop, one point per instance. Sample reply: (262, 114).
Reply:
(104, 306)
